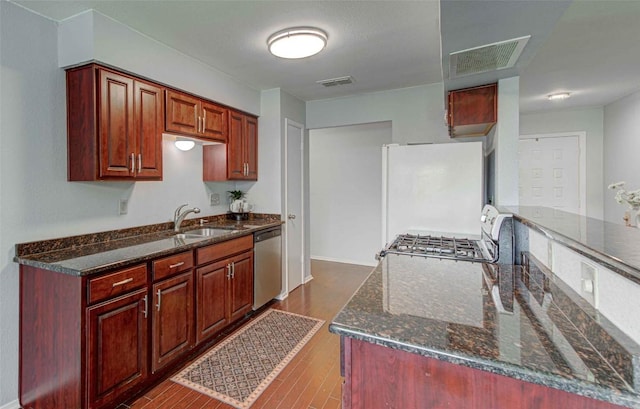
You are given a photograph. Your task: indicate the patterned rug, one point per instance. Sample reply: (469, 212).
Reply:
(240, 368)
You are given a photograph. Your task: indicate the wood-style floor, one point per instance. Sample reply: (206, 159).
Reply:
(312, 379)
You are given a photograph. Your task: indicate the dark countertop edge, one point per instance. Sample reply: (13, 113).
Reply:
(146, 257)
(574, 386)
(613, 263)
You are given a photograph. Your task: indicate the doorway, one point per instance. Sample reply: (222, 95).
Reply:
(552, 171)
(293, 206)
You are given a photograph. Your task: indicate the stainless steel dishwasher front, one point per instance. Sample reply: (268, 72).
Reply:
(267, 278)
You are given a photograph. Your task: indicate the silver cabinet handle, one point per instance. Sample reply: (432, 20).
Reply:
(177, 264)
(291, 216)
(229, 271)
(139, 162)
(159, 299)
(123, 282)
(145, 306)
(204, 120)
(233, 270)
(133, 163)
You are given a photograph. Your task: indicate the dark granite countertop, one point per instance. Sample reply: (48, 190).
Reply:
(95, 253)
(613, 245)
(507, 320)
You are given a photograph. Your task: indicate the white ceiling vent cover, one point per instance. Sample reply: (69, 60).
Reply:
(490, 57)
(331, 82)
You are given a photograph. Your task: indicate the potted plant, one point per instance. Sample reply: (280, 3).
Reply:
(235, 194)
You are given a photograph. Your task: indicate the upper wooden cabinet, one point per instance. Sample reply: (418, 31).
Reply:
(114, 125)
(189, 115)
(238, 160)
(473, 111)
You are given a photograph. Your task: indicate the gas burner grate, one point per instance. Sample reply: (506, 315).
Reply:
(436, 246)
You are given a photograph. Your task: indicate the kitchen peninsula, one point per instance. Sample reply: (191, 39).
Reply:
(432, 333)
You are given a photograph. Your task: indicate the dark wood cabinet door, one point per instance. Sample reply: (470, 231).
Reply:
(182, 113)
(149, 125)
(117, 347)
(241, 286)
(235, 160)
(251, 147)
(473, 111)
(214, 122)
(117, 146)
(172, 329)
(211, 299)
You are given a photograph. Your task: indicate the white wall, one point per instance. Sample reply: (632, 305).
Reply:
(417, 113)
(113, 43)
(37, 202)
(589, 120)
(506, 143)
(621, 148)
(345, 170)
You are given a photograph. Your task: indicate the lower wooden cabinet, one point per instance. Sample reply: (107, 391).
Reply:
(93, 342)
(172, 327)
(241, 286)
(224, 285)
(211, 299)
(116, 347)
(377, 377)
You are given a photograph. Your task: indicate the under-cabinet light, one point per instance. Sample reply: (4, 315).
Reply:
(184, 144)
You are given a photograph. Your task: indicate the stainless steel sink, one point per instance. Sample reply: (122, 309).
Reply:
(204, 232)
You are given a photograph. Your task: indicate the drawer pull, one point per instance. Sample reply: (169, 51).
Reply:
(177, 264)
(123, 282)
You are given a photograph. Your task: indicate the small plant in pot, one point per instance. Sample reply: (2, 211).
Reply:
(237, 206)
(235, 194)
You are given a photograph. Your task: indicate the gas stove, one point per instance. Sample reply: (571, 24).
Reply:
(494, 246)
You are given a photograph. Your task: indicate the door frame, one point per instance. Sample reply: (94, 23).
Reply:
(582, 160)
(285, 207)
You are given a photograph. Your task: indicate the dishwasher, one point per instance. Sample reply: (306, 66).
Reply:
(267, 278)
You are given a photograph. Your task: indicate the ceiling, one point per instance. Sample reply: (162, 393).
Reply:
(587, 47)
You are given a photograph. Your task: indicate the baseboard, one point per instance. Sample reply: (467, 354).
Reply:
(308, 278)
(337, 260)
(11, 405)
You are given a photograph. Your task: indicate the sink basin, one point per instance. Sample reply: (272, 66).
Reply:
(209, 232)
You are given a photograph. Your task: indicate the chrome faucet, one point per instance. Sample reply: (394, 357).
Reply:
(179, 217)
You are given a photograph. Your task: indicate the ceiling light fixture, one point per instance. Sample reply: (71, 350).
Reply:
(184, 144)
(559, 96)
(297, 42)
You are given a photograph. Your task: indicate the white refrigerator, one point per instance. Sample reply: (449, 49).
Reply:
(432, 187)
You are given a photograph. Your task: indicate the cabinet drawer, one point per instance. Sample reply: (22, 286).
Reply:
(224, 249)
(117, 283)
(171, 265)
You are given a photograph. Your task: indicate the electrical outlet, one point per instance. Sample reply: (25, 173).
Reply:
(589, 283)
(214, 199)
(123, 206)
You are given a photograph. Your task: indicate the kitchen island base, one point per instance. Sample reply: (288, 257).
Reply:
(380, 377)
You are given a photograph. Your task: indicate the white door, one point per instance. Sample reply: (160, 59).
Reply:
(549, 173)
(293, 204)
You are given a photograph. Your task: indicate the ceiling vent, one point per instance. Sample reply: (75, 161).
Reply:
(331, 82)
(490, 57)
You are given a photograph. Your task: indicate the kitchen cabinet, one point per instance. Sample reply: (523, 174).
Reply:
(379, 377)
(116, 347)
(172, 328)
(238, 159)
(224, 285)
(193, 116)
(172, 332)
(114, 126)
(473, 111)
(115, 333)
